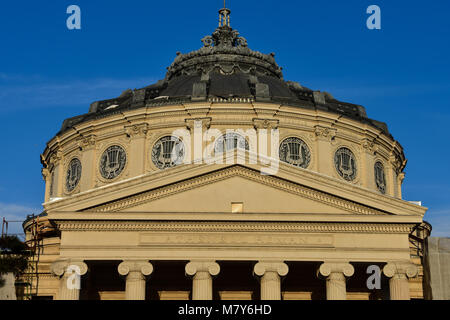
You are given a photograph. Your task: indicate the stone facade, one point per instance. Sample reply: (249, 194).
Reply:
(131, 223)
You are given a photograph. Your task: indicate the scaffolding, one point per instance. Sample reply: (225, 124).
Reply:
(28, 281)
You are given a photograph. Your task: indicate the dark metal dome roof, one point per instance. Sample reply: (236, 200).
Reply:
(224, 70)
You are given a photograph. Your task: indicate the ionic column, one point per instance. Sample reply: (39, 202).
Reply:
(202, 282)
(270, 273)
(399, 272)
(135, 271)
(69, 272)
(335, 274)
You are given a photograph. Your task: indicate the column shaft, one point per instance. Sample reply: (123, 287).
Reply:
(135, 286)
(135, 272)
(66, 291)
(270, 272)
(399, 288)
(400, 272)
(336, 287)
(270, 286)
(202, 286)
(69, 273)
(335, 274)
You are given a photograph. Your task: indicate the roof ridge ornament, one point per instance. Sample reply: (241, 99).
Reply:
(224, 16)
(225, 36)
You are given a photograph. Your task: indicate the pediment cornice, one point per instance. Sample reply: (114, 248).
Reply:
(236, 171)
(233, 226)
(317, 187)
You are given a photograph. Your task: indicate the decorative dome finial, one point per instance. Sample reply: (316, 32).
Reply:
(224, 16)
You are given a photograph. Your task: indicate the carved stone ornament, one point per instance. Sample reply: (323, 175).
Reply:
(345, 163)
(128, 266)
(73, 175)
(168, 152)
(204, 123)
(401, 269)
(265, 124)
(324, 133)
(137, 130)
(295, 152)
(211, 267)
(380, 177)
(87, 142)
(368, 145)
(279, 267)
(112, 162)
(327, 268)
(61, 267)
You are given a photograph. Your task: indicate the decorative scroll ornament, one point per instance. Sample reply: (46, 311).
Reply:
(208, 41)
(326, 269)
(194, 267)
(87, 142)
(112, 162)
(262, 267)
(401, 269)
(295, 152)
(137, 130)
(129, 266)
(345, 163)
(168, 152)
(73, 174)
(225, 48)
(380, 178)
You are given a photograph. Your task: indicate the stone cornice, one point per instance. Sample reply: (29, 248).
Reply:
(178, 110)
(206, 226)
(346, 196)
(217, 176)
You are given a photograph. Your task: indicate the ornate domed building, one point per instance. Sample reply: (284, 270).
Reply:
(224, 181)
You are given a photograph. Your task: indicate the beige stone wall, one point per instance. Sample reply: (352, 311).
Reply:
(323, 132)
(201, 213)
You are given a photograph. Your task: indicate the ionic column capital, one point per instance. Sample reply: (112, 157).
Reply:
(194, 267)
(203, 123)
(327, 268)
(262, 267)
(406, 269)
(60, 267)
(128, 266)
(137, 130)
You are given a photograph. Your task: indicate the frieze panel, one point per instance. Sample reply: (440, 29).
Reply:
(238, 239)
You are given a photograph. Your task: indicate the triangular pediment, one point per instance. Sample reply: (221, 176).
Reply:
(215, 192)
(213, 188)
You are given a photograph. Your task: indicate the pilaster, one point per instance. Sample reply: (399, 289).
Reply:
(324, 163)
(87, 144)
(137, 134)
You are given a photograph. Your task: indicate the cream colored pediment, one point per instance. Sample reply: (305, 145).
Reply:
(213, 188)
(215, 192)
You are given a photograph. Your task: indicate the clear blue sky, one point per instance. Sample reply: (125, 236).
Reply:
(401, 74)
